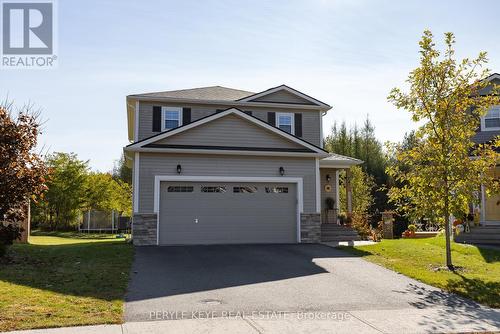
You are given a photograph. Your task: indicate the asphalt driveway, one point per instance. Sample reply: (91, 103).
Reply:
(177, 282)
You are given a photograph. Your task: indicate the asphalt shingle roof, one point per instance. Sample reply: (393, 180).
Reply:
(217, 93)
(483, 137)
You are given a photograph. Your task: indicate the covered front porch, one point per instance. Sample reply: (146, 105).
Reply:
(490, 205)
(330, 189)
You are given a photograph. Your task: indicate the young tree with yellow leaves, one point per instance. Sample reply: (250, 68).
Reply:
(442, 173)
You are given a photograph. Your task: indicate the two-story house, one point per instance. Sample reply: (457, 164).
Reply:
(489, 129)
(216, 165)
(489, 208)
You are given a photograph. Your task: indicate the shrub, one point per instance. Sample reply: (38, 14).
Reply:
(412, 228)
(330, 203)
(360, 222)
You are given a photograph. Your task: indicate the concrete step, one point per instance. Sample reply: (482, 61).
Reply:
(334, 232)
(490, 223)
(478, 236)
(489, 230)
(328, 239)
(353, 234)
(479, 241)
(335, 227)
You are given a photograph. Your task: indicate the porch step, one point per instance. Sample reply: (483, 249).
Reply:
(334, 232)
(490, 224)
(489, 234)
(478, 242)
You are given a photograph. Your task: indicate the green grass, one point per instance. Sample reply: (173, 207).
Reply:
(477, 277)
(64, 279)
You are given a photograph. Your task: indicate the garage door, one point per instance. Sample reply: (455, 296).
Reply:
(227, 213)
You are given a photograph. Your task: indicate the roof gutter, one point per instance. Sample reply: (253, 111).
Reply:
(229, 103)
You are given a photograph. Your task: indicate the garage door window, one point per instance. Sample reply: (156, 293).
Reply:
(245, 190)
(277, 190)
(180, 189)
(213, 189)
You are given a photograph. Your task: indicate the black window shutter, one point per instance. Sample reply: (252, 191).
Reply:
(186, 116)
(156, 119)
(271, 118)
(298, 124)
(248, 112)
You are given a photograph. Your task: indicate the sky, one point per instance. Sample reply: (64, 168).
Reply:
(347, 53)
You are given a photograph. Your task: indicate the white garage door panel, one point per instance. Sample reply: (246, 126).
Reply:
(228, 217)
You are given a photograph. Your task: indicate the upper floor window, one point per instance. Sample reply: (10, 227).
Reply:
(491, 121)
(284, 121)
(171, 117)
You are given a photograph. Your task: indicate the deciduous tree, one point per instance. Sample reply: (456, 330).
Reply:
(439, 177)
(22, 169)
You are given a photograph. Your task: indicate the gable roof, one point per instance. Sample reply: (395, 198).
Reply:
(149, 144)
(492, 77)
(218, 93)
(483, 137)
(255, 97)
(334, 160)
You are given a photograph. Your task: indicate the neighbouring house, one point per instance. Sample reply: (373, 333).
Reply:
(216, 165)
(489, 130)
(489, 209)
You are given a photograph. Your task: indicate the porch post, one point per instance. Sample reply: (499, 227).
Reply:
(348, 190)
(483, 204)
(337, 188)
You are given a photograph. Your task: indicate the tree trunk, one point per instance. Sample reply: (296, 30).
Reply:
(447, 234)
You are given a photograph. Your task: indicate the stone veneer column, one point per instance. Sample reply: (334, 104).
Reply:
(310, 227)
(144, 229)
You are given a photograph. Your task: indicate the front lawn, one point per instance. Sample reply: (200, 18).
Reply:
(478, 275)
(64, 279)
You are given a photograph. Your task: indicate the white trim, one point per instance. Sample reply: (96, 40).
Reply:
(321, 129)
(337, 196)
(136, 121)
(483, 203)
(337, 166)
(164, 109)
(318, 186)
(215, 116)
(229, 104)
(292, 120)
(483, 120)
(493, 76)
(136, 183)
(285, 88)
(224, 152)
(181, 178)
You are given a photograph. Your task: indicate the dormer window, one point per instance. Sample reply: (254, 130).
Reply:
(171, 118)
(491, 121)
(284, 121)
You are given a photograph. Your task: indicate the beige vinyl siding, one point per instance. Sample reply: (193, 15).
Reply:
(151, 164)
(230, 130)
(324, 193)
(282, 96)
(310, 118)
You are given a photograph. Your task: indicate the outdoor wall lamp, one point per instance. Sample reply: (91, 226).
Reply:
(179, 169)
(282, 171)
(328, 178)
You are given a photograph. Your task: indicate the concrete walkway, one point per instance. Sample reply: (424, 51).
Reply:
(428, 320)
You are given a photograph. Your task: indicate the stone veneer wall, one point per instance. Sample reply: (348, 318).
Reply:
(144, 229)
(310, 227)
